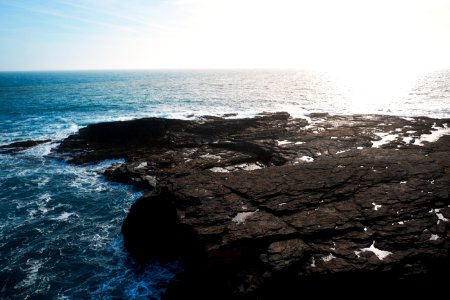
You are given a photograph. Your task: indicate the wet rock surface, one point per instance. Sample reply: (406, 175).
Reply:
(269, 206)
(19, 146)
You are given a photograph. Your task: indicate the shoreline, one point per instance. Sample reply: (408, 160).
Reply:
(274, 202)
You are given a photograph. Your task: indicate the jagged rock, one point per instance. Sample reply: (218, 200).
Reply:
(16, 147)
(272, 205)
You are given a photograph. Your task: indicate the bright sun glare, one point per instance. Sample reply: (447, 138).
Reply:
(323, 34)
(375, 48)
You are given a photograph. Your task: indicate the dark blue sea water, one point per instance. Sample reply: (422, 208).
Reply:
(60, 224)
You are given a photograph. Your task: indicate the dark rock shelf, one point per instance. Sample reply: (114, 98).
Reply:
(16, 147)
(272, 205)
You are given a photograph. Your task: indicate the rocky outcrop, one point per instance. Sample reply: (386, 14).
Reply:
(273, 205)
(19, 146)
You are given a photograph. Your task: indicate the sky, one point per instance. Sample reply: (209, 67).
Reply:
(155, 34)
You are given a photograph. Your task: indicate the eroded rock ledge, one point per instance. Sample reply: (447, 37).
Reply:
(271, 205)
(16, 147)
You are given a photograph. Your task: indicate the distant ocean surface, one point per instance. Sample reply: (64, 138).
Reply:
(60, 224)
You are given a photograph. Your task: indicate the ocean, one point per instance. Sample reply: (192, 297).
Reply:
(60, 224)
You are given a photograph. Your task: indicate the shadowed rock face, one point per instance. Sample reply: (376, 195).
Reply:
(258, 207)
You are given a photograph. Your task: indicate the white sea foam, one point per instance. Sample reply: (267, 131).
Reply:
(211, 156)
(64, 216)
(142, 165)
(407, 139)
(250, 167)
(242, 216)
(219, 170)
(43, 180)
(385, 139)
(306, 158)
(39, 150)
(342, 151)
(376, 206)
(285, 142)
(439, 215)
(381, 254)
(73, 128)
(32, 273)
(434, 237)
(313, 263)
(436, 133)
(328, 258)
(101, 165)
(244, 167)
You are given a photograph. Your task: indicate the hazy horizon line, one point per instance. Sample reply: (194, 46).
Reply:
(158, 69)
(191, 69)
